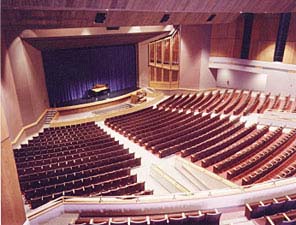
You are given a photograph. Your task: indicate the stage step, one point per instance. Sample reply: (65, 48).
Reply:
(49, 116)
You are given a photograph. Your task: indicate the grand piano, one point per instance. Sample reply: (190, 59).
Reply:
(98, 90)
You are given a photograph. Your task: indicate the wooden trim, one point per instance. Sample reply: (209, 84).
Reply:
(16, 139)
(107, 115)
(187, 89)
(87, 105)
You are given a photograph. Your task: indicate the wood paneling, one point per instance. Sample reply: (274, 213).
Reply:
(12, 208)
(264, 33)
(290, 49)
(82, 41)
(63, 13)
(226, 39)
(160, 6)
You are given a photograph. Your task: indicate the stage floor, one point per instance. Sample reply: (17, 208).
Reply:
(112, 94)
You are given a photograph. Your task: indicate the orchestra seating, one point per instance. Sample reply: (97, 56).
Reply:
(205, 217)
(281, 210)
(223, 144)
(77, 160)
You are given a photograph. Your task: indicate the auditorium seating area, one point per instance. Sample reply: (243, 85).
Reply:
(218, 142)
(204, 217)
(77, 160)
(235, 102)
(281, 210)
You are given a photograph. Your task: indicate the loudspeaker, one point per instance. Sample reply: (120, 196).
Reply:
(247, 33)
(282, 37)
(100, 18)
(165, 18)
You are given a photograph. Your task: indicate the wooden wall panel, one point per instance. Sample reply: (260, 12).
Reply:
(226, 39)
(290, 49)
(12, 208)
(264, 33)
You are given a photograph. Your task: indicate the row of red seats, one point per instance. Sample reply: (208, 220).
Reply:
(234, 148)
(64, 137)
(264, 105)
(240, 108)
(268, 167)
(120, 189)
(72, 159)
(64, 145)
(232, 102)
(266, 153)
(179, 118)
(205, 217)
(69, 155)
(197, 136)
(62, 180)
(252, 149)
(270, 206)
(62, 141)
(76, 163)
(220, 99)
(288, 218)
(67, 150)
(219, 108)
(207, 150)
(96, 187)
(233, 105)
(165, 134)
(212, 140)
(250, 107)
(289, 171)
(168, 139)
(83, 167)
(116, 163)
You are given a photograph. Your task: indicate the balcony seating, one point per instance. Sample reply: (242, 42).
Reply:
(211, 217)
(288, 218)
(270, 207)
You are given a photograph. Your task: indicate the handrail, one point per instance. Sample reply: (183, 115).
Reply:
(107, 115)
(16, 139)
(161, 199)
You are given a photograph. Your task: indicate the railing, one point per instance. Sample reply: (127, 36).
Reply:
(189, 201)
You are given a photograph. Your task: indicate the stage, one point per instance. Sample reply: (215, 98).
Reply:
(103, 97)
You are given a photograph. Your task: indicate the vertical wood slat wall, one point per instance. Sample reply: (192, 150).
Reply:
(226, 39)
(164, 62)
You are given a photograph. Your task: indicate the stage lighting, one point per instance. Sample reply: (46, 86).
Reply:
(165, 18)
(100, 18)
(211, 17)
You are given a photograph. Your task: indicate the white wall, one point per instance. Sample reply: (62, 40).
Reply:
(143, 64)
(194, 57)
(274, 77)
(241, 80)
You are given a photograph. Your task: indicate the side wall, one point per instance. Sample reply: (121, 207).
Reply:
(290, 49)
(23, 85)
(194, 57)
(12, 208)
(226, 39)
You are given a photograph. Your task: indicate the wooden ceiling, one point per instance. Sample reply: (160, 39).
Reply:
(82, 41)
(32, 14)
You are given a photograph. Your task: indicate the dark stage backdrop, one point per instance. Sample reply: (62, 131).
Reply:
(71, 72)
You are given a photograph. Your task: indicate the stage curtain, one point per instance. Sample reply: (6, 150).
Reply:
(71, 72)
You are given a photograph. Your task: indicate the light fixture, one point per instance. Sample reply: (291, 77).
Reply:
(100, 17)
(211, 17)
(165, 18)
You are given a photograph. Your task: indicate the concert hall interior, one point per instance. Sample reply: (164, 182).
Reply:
(171, 112)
